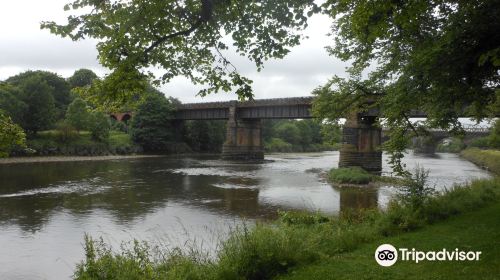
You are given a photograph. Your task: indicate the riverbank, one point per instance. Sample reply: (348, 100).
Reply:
(487, 159)
(299, 241)
(474, 231)
(36, 159)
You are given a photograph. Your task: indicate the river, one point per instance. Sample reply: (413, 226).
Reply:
(46, 208)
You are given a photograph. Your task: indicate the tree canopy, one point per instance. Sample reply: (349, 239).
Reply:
(440, 57)
(82, 78)
(185, 38)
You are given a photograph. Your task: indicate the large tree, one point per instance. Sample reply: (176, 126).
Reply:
(60, 87)
(185, 38)
(441, 57)
(40, 113)
(11, 103)
(82, 78)
(152, 123)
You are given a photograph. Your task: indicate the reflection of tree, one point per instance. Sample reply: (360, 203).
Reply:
(353, 198)
(127, 189)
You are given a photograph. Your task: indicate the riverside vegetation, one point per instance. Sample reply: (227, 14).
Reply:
(42, 113)
(299, 242)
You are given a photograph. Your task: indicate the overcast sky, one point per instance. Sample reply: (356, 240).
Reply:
(23, 46)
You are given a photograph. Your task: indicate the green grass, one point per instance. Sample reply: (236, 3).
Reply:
(351, 175)
(488, 159)
(474, 231)
(309, 245)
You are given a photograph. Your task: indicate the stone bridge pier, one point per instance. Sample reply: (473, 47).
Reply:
(243, 138)
(361, 141)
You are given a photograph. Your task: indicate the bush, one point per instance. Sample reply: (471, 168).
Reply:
(415, 192)
(99, 126)
(480, 142)
(455, 145)
(65, 131)
(277, 145)
(351, 175)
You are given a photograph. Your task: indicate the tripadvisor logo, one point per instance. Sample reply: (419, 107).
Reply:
(387, 255)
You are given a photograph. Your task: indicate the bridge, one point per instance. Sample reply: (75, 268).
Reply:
(360, 136)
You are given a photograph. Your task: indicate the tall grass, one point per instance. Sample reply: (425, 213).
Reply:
(488, 159)
(295, 239)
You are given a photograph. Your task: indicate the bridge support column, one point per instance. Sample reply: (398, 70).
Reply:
(243, 138)
(361, 141)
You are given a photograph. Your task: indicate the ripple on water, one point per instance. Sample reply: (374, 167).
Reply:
(66, 188)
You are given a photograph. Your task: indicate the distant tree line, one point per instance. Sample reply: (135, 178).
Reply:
(36, 105)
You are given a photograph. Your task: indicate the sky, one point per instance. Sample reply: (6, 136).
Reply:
(24, 46)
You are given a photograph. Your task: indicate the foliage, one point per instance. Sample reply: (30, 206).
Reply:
(82, 78)
(78, 114)
(38, 96)
(55, 142)
(59, 88)
(11, 103)
(489, 159)
(296, 240)
(289, 132)
(349, 175)
(415, 191)
(494, 137)
(440, 57)
(454, 145)
(479, 142)
(186, 38)
(278, 145)
(11, 135)
(152, 123)
(99, 126)
(205, 136)
(66, 132)
(331, 133)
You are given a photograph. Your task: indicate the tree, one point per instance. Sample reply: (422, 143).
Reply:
(59, 92)
(11, 135)
(78, 114)
(289, 132)
(82, 78)
(99, 126)
(151, 125)
(11, 103)
(441, 57)
(185, 38)
(206, 136)
(41, 112)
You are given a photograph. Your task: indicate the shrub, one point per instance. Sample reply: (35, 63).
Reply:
(277, 145)
(480, 142)
(415, 192)
(351, 175)
(65, 131)
(99, 126)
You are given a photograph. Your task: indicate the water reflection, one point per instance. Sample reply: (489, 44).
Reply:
(45, 208)
(353, 198)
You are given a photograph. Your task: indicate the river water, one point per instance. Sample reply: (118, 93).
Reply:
(46, 208)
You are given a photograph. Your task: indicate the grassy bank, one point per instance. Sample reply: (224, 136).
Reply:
(81, 144)
(296, 242)
(475, 231)
(359, 176)
(488, 159)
